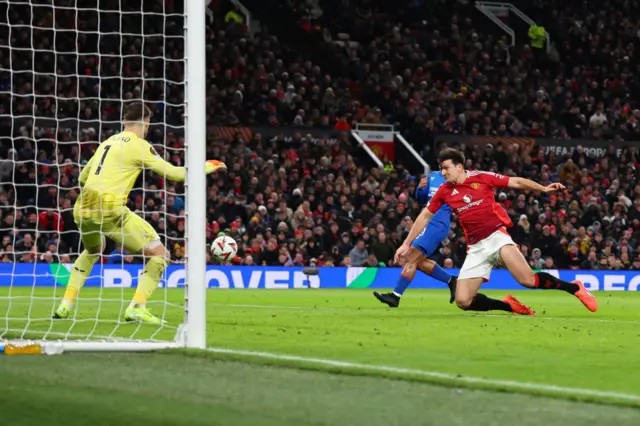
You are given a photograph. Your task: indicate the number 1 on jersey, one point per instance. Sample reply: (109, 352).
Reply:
(106, 151)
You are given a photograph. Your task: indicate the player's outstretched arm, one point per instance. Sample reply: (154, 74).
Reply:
(418, 225)
(528, 184)
(152, 160)
(158, 165)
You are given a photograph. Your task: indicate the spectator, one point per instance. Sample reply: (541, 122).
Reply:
(591, 261)
(359, 254)
(382, 249)
(549, 263)
(521, 232)
(50, 220)
(574, 256)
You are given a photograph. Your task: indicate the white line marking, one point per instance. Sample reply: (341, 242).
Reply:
(434, 374)
(428, 314)
(304, 308)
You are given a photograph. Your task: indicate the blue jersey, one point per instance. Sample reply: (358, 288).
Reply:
(424, 194)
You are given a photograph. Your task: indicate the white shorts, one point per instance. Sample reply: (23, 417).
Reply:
(484, 255)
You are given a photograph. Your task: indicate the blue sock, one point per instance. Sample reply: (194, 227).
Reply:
(440, 274)
(401, 285)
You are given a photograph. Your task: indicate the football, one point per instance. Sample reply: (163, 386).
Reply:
(224, 248)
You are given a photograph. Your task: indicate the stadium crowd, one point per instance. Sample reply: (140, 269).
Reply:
(305, 201)
(428, 64)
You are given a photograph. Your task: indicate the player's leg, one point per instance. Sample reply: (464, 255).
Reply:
(517, 265)
(409, 268)
(467, 292)
(430, 267)
(427, 244)
(138, 236)
(157, 261)
(94, 244)
(475, 271)
(418, 260)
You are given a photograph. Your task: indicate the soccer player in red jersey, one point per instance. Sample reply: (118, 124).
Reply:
(470, 195)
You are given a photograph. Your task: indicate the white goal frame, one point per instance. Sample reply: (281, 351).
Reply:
(192, 333)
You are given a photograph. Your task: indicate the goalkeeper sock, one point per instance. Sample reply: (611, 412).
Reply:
(79, 274)
(149, 280)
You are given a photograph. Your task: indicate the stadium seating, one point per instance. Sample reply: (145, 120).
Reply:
(309, 201)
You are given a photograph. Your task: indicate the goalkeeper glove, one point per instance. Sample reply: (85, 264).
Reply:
(213, 166)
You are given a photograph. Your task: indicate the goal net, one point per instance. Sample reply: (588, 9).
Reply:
(68, 68)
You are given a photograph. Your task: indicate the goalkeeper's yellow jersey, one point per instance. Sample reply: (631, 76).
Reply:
(108, 177)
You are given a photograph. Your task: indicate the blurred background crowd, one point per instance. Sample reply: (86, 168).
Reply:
(429, 67)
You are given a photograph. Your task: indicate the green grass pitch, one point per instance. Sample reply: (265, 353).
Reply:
(521, 367)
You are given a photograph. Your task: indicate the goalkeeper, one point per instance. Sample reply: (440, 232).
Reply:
(101, 210)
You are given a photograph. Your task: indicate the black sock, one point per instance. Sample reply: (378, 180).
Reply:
(453, 282)
(484, 303)
(546, 281)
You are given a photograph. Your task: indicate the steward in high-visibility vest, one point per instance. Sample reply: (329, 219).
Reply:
(538, 35)
(232, 15)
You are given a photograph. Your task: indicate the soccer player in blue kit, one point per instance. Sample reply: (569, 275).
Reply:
(424, 245)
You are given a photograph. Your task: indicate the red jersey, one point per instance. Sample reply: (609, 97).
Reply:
(474, 204)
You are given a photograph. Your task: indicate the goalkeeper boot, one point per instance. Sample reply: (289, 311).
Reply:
(141, 315)
(62, 312)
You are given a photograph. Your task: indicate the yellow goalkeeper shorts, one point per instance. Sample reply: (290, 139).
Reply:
(128, 230)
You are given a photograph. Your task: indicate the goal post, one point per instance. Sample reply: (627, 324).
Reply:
(68, 68)
(196, 118)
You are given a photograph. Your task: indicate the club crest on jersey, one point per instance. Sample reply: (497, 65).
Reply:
(466, 199)
(475, 185)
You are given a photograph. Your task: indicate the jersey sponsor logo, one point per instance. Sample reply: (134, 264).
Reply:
(468, 206)
(475, 185)
(455, 192)
(466, 199)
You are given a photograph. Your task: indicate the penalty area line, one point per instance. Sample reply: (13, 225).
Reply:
(453, 378)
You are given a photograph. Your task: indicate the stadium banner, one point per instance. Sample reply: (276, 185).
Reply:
(381, 142)
(274, 277)
(594, 148)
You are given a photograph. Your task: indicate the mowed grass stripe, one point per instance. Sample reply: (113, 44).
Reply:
(165, 389)
(540, 389)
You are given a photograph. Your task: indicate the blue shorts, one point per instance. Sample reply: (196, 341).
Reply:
(430, 238)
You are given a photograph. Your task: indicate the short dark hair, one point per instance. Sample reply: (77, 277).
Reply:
(454, 155)
(136, 112)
